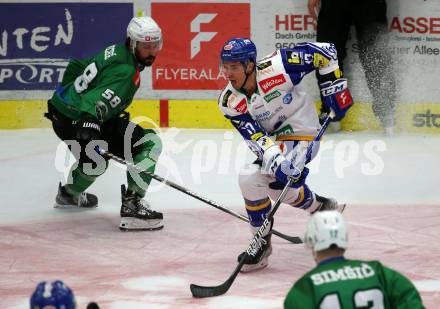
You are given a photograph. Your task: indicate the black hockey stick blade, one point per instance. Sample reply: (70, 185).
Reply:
(292, 239)
(199, 291)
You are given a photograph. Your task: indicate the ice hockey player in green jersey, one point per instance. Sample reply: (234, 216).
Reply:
(88, 109)
(339, 283)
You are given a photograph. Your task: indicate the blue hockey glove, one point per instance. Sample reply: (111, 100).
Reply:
(337, 97)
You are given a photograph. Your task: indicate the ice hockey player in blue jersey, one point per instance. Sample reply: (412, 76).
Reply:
(266, 103)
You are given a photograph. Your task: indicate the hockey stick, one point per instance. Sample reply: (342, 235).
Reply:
(292, 239)
(210, 291)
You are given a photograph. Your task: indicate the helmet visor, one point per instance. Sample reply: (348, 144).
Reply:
(150, 46)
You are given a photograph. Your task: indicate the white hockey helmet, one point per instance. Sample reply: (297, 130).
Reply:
(324, 229)
(143, 29)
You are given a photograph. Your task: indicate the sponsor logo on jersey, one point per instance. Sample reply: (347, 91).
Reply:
(270, 96)
(287, 98)
(293, 57)
(256, 136)
(264, 65)
(241, 107)
(319, 60)
(263, 116)
(267, 84)
(427, 119)
(268, 115)
(283, 131)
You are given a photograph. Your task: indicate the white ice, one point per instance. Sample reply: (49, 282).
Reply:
(355, 168)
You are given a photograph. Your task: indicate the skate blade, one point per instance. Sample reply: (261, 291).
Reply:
(341, 207)
(65, 206)
(260, 265)
(71, 206)
(247, 268)
(135, 224)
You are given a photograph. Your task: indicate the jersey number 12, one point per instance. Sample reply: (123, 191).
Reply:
(371, 299)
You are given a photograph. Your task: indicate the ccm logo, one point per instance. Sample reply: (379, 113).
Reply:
(269, 83)
(426, 120)
(333, 89)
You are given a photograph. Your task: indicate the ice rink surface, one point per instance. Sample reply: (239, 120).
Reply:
(391, 186)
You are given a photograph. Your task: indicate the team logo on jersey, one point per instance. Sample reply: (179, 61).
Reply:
(270, 96)
(293, 57)
(287, 98)
(109, 52)
(101, 110)
(267, 84)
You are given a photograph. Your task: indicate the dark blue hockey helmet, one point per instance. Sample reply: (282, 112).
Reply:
(239, 49)
(54, 295)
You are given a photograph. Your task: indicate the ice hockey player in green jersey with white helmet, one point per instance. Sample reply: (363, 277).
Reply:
(89, 107)
(339, 283)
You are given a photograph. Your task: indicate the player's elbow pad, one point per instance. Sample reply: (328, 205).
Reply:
(337, 96)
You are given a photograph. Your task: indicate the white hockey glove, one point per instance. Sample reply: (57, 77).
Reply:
(279, 167)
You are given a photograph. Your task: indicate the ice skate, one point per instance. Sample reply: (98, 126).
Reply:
(136, 214)
(67, 200)
(328, 204)
(261, 259)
